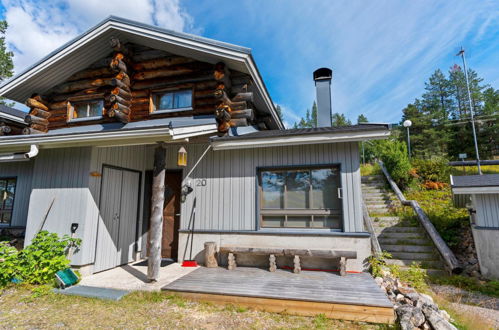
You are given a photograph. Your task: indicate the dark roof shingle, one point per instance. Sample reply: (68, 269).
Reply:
(486, 180)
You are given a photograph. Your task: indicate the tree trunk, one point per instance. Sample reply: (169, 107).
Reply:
(210, 249)
(29, 130)
(40, 113)
(30, 119)
(156, 221)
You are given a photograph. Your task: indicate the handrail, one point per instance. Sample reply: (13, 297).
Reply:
(448, 256)
(370, 228)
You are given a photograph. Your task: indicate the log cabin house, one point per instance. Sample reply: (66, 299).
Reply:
(148, 142)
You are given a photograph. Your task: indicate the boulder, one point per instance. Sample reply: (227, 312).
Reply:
(436, 320)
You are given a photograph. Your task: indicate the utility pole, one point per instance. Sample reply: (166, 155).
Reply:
(461, 53)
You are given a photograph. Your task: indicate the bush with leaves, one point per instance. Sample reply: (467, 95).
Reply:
(38, 262)
(434, 170)
(393, 153)
(9, 263)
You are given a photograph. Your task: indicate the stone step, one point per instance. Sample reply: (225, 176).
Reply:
(378, 194)
(395, 248)
(379, 197)
(399, 235)
(372, 178)
(419, 256)
(412, 241)
(427, 264)
(386, 202)
(385, 218)
(377, 185)
(399, 229)
(378, 210)
(374, 190)
(430, 271)
(377, 206)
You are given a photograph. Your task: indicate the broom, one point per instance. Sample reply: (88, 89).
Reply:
(190, 262)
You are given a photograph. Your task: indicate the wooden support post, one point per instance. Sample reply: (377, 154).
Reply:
(343, 266)
(296, 262)
(156, 221)
(210, 248)
(273, 265)
(231, 261)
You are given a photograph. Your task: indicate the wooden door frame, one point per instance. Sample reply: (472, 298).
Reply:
(138, 204)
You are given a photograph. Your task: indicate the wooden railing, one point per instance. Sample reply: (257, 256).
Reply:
(447, 255)
(370, 228)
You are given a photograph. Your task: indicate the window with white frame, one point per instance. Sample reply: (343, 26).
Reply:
(300, 198)
(85, 110)
(172, 101)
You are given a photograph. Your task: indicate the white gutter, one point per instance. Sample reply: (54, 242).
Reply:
(18, 157)
(299, 140)
(190, 131)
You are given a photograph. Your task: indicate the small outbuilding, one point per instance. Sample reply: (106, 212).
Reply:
(480, 194)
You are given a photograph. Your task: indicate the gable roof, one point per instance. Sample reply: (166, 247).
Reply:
(92, 45)
(8, 113)
(481, 184)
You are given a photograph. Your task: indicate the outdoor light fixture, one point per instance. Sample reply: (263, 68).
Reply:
(407, 123)
(182, 157)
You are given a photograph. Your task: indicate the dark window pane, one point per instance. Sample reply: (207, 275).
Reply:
(328, 221)
(165, 101)
(5, 217)
(325, 184)
(297, 189)
(95, 109)
(88, 109)
(183, 99)
(273, 221)
(272, 190)
(80, 110)
(298, 221)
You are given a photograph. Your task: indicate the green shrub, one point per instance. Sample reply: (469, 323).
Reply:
(435, 169)
(45, 256)
(8, 263)
(393, 153)
(377, 263)
(38, 262)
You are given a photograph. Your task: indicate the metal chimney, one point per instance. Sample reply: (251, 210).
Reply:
(322, 79)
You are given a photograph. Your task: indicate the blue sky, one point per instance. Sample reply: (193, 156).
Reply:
(381, 52)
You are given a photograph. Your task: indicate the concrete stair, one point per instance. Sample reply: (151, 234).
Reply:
(406, 241)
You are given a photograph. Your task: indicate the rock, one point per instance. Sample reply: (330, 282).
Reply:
(436, 320)
(399, 297)
(475, 274)
(405, 290)
(414, 296)
(379, 281)
(445, 315)
(426, 326)
(404, 314)
(417, 318)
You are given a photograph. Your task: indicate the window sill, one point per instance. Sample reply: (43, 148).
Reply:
(77, 120)
(158, 112)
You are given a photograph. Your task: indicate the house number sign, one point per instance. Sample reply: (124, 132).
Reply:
(200, 182)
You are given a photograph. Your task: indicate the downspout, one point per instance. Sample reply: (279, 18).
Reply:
(19, 157)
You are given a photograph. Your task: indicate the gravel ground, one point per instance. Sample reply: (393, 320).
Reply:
(473, 303)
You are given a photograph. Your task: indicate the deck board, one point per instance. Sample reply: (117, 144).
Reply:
(323, 287)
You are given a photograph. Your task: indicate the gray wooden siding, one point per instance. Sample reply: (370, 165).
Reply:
(22, 171)
(228, 200)
(62, 175)
(487, 210)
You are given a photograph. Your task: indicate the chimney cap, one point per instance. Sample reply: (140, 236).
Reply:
(323, 74)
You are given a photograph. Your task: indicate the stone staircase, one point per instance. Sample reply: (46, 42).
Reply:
(405, 240)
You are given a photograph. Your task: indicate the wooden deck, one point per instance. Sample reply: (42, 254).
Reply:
(353, 297)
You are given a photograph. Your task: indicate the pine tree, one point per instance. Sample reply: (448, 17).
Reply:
(339, 119)
(6, 64)
(362, 119)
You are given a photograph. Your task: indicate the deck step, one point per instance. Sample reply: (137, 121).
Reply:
(395, 248)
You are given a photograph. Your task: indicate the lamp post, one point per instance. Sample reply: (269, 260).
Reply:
(461, 53)
(407, 123)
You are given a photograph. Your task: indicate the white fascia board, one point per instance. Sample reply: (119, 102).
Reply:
(190, 131)
(475, 190)
(47, 141)
(299, 140)
(12, 118)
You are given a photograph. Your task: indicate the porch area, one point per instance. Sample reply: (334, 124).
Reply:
(352, 297)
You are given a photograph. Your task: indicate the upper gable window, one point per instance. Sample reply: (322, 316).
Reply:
(172, 101)
(85, 110)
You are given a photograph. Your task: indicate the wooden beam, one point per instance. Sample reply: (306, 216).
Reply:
(30, 119)
(33, 103)
(156, 221)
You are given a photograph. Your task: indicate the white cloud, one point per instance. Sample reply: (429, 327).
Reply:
(38, 27)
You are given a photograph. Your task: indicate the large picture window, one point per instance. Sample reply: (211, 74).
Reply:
(300, 198)
(7, 193)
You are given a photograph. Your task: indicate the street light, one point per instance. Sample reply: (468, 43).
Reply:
(407, 123)
(461, 53)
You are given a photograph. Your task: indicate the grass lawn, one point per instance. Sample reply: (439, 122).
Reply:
(38, 307)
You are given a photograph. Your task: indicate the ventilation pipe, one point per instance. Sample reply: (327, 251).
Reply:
(322, 78)
(17, 157)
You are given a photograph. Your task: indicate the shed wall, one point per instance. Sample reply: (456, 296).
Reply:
(23, 172)
(225, 183)
(487, 210)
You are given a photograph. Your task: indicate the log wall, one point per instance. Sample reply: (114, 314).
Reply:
(126, 80)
